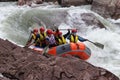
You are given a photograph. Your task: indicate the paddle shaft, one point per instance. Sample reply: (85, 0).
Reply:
(91, 41)
(97, 44)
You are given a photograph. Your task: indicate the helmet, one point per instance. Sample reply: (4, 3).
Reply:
(35, 30)
(74, 30)
(42, 29)
(59, 33)
(49, 31)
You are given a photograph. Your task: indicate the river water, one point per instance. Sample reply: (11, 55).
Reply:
(16, 23)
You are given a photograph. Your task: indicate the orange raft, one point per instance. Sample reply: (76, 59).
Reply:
(38, 49)
(75, 49)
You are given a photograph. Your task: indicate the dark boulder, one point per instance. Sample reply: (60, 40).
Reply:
(49, 0)
(67, 3)
(107, 8)
(3, 78)
(29, 2)
(91, 20)
(17, 63)
(7, 0)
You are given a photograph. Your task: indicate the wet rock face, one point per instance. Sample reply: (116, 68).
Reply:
(7, 0)
(91, 19)
(17, 63)
(64, 3)
(107, 8)
(49, 0)
(29, 2)
(117, 11)
(3, 78)
(67, 3)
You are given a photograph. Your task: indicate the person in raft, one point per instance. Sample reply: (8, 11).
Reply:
(50, 39)
(41, 37)
(32, 39)
(73, 37)
(61, 39)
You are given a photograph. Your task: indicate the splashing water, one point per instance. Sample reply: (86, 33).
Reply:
(16, 21)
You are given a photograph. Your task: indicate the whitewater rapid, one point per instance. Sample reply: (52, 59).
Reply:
(16, 23)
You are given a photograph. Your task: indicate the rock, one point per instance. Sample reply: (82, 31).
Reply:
(91, 19)
(117, 11)
(29, 2)
(7, 0)
(49, 0)
(68, 3)
(17, 63)
(107, 8)
(3, 78)
(38, 1)
(89, 1)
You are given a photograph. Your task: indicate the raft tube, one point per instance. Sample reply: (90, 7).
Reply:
(75, 49)
(38, 49)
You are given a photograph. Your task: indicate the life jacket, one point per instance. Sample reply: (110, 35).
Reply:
(41, 40)
(42, 37)
(61, 40)
(73, 39)
(36, 41)
(33, 36)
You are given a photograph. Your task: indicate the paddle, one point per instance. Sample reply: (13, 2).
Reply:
(45, 50)
(97, 44)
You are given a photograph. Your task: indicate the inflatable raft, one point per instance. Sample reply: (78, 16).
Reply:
(38, 49)
(75, 49)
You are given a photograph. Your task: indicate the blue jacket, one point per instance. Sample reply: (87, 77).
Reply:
(81, 39)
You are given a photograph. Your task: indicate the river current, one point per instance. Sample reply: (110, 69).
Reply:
(17, 21)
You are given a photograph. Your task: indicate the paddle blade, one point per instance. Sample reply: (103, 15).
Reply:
(99, 45)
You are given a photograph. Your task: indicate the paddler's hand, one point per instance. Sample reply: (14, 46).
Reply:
(86, 40)
(68, 30)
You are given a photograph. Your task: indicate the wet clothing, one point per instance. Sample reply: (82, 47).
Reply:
(31, 39)
(40, 38)
(33, 36)
(75, 38)
(62, 39)
(50, 40)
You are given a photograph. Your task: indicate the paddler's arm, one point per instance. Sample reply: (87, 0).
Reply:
(47, 41)
(67, 34)
(68, 37)
(82, 39)
(37, 37)
(29, 41)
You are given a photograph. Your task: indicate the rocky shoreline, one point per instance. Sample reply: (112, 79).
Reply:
(18, 63)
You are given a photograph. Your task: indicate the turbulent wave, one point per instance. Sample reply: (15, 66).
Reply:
(16, 23)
